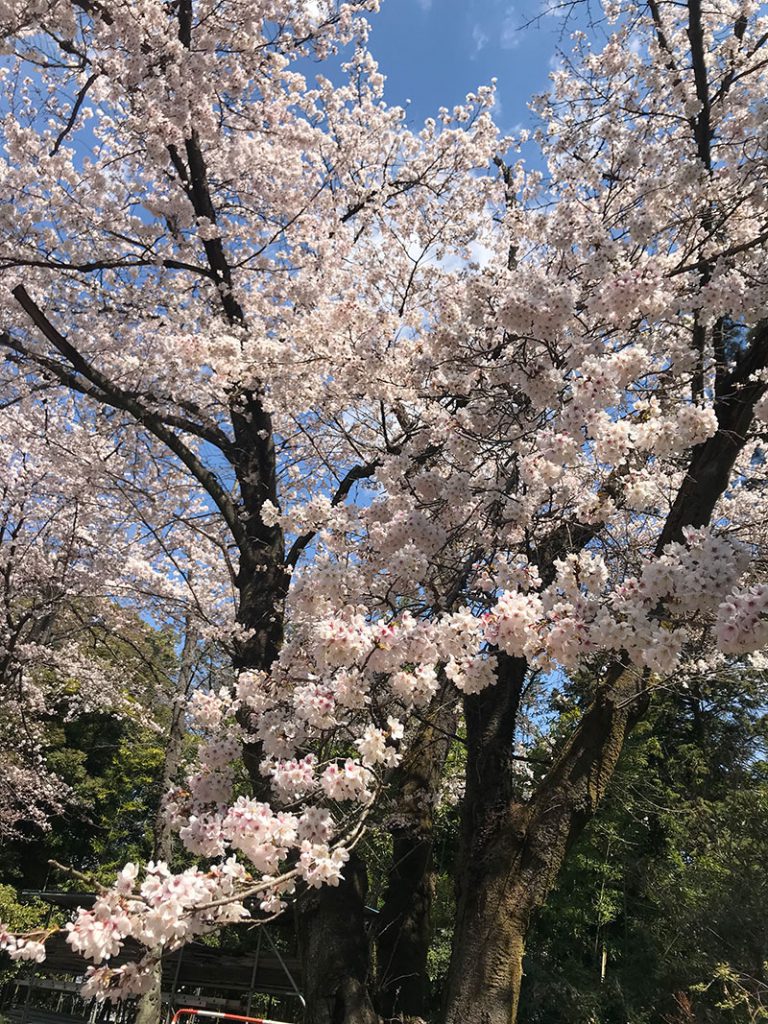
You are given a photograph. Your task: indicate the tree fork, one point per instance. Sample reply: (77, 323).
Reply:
(513, 850)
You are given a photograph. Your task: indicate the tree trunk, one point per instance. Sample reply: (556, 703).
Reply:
(333, 947)
(483, 982)
(150, 1005)
(404, 929)
(512, 850)
(404, 924)
(487, 964)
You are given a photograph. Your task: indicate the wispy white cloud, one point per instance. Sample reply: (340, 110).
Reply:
(499, 31)
(479, 253)
(509, 36)
(425, 5)
(316, 10)
(479, 38)
(635, 44)
(552, 9)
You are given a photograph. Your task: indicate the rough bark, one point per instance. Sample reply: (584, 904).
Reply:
(482, 984)
(404, 924)
(334, 951)
(487, 970)
(150, 1006)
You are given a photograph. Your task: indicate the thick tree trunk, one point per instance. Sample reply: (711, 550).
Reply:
(404, 929)
(333, 947)
(150, 1006)
(513, 850)
(483, 982)
(404, 924)
(487, 965)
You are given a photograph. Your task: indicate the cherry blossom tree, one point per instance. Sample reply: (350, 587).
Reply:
(440, 431)
(331, 212)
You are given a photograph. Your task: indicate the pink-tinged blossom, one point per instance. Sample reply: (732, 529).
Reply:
(315, 824)
(416, 687)
(347, 781)
(343, 641)
(19, 948)
(254, 829)
(742, 621)
(374, 748)
(318, 865)
(115, 984)
(512, 624)
(293, 779)
(99, 933)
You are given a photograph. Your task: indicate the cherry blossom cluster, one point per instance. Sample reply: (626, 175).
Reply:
(742, 621)
(164, 909)
(646, 616)
(161, 911)
(21, 948)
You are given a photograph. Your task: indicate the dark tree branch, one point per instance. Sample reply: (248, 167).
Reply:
(106, 391)
(73, 114)
(702, 122)
(95, 9)
(356, 473)
(711, 462)
(114, 264)
(661, 36)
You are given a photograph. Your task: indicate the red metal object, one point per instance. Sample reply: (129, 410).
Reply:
(223, 1016)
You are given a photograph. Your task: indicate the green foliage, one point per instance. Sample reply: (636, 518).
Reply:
(112, 766)
(741, 995)
(669, 880)
(447, 834)
(20, 916)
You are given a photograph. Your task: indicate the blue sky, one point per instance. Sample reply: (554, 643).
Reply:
(434, 52)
